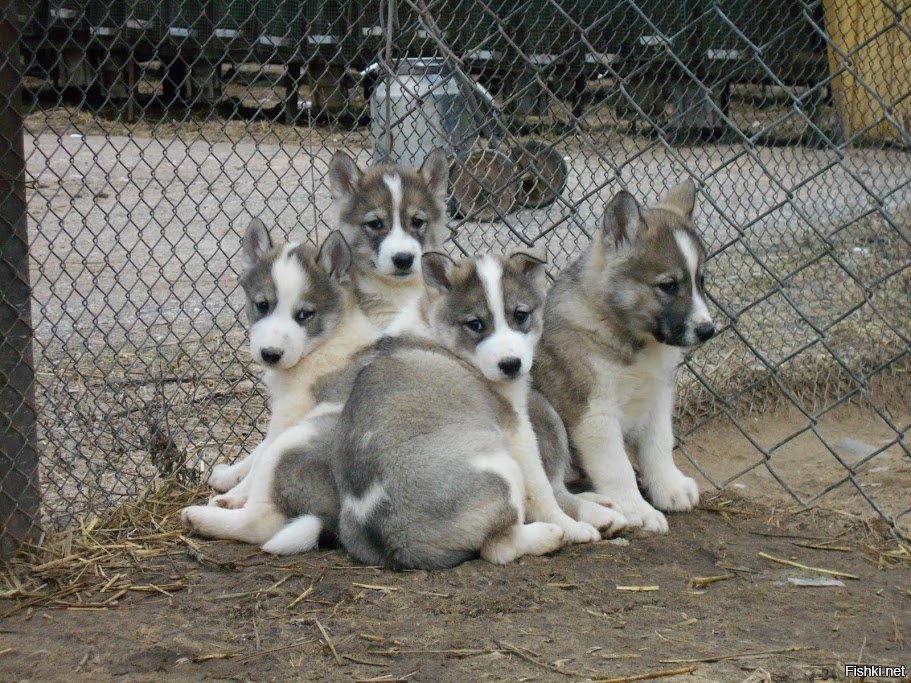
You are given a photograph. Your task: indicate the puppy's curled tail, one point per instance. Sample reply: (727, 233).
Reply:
(297, 536)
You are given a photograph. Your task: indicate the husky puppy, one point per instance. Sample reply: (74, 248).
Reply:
(305, 327)
(388, 215)
(616, 323)
(550, 433)
(299, 309)
(436, 460)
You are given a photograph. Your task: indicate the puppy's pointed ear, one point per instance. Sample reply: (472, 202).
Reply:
(435, 171)
(335, 256)
(343, 175)
(437, 270)
(531, 265)
(622, 220)
(256, 242)
(681, 198)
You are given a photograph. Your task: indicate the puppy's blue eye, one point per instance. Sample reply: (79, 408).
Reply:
(521, 316)
(475, 326)
(303, 316)
(262, 306)
(375, 224)
(669, 287)
(417, 223)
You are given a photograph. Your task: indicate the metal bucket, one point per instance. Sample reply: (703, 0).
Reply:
(429, 109)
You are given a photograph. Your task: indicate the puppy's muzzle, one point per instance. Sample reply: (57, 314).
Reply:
(403, 261)
(510, 367)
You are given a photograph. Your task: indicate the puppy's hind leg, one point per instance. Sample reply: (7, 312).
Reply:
(251, 524)
(536, 538)
(518, 538)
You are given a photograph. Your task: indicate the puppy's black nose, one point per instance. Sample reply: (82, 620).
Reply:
(403, 261)
(271, 356)
(705, 331)
(510, 366)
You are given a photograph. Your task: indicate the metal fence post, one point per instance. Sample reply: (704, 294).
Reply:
(19, 493)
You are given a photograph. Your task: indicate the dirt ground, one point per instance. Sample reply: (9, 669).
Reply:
(801, 457)
(705, 601)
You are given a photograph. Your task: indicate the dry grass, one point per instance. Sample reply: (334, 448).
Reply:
(93, 564)
(141, 546)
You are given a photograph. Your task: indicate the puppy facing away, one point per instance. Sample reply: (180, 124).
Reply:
(436, 461)
(305, 328)
(390, 215)
(549, 431)
(616, 323)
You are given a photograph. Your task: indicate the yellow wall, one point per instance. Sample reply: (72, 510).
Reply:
(879, 53)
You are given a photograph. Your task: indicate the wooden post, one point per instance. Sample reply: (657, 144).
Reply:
(19, 494)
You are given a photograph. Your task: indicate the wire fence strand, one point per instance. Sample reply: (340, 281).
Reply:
(153, 130)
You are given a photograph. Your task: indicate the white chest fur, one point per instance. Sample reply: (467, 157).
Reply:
(635, 389)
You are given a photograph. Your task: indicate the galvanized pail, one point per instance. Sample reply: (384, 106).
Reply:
(428, 110)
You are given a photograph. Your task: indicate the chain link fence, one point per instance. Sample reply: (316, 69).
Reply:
(155, 129)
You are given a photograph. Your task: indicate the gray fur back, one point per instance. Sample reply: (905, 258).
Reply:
(416, 418)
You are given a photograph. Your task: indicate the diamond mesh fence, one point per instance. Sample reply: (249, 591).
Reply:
(153, 130)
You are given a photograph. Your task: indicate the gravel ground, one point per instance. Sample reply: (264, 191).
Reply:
(127, 229)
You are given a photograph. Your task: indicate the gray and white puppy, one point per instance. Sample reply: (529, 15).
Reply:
(616, 323)
(390, 215)
(435, 454)
(307, 325)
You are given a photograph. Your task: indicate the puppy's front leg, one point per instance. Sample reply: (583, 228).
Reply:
(598, 438)
(225, 477)
(540, 503)
(235, 480)
(667, 487)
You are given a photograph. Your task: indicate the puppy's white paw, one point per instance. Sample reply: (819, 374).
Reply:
(534, 538)
(188, 514)
(544, 538)
(673, 493)
(224, 477)
(605, 519)
(579, 532)
(639, 514)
